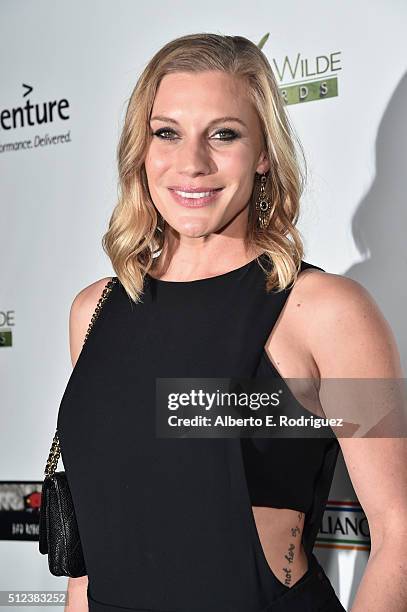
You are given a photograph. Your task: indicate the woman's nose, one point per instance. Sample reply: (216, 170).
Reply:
(193, 157)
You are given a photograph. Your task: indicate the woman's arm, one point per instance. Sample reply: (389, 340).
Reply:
(349, 338)
(77, 595)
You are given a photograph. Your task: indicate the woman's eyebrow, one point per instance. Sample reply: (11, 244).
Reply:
(218, 120)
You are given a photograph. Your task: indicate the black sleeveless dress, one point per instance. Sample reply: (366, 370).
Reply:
(167, 525)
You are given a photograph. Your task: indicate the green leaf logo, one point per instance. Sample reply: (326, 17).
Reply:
(263, 40)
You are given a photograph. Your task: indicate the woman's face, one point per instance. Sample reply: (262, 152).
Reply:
(206, 135)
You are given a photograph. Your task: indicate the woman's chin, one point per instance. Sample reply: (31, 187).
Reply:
(192, 228)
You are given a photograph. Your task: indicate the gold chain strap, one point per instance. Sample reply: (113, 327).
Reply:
(55, 450)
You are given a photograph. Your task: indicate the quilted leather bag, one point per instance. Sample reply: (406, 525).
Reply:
(58, 528)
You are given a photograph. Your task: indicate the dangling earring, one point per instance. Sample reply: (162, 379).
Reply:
(263, 204)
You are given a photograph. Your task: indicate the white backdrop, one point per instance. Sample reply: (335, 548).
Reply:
(56, 198)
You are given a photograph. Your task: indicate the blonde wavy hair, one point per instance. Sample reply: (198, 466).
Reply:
(136, 232)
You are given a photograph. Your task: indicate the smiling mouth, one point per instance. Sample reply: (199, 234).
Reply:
(195, 198)
(193, 195)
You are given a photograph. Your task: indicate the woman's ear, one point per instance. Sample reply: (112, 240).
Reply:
(263, 164)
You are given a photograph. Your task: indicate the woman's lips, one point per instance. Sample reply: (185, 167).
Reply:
(195, 202)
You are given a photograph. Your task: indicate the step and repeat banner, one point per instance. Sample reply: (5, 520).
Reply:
(67, 72)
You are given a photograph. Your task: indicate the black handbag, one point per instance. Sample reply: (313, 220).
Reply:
(58, 528)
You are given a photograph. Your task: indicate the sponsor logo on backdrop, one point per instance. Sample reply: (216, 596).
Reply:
(33, 113)
(6, 323)
(306, 78)
(344, 526)
(20, 503)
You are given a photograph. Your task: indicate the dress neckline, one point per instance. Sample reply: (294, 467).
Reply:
(208, 279)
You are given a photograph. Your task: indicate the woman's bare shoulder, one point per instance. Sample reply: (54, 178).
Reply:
(317, 293)
(82, 309)
(328, 294)
(320, 285)
(346, 331)
(90, 294)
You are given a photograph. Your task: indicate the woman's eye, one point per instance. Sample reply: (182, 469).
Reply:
(160, 133)
(231, 134)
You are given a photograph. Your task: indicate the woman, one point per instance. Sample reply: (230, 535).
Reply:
(207, 257)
